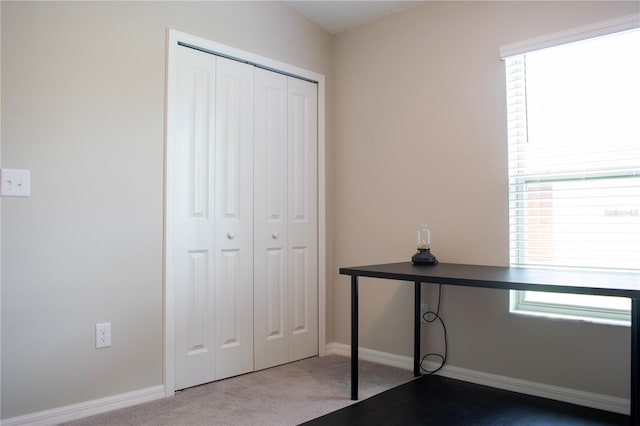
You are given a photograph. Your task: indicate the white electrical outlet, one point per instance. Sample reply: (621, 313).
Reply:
(15, 183)
(103, 335)
(424, 308)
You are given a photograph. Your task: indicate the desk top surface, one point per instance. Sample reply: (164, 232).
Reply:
(624, 284)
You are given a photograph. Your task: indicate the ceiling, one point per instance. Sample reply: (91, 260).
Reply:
(337, 16)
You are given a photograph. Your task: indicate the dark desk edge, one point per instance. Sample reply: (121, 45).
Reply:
(601, 283)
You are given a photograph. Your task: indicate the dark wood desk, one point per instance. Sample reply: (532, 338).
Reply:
(622, 284)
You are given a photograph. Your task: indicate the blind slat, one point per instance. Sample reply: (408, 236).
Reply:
(574, 154)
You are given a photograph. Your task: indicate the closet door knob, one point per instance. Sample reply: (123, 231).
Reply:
(231, 235)
(274, 235)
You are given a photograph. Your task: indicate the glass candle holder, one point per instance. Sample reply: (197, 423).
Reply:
(424, 255)
(424, 237)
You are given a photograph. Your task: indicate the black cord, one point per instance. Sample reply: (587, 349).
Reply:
(436, 316)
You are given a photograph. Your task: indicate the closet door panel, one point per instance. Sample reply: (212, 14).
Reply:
(303, 218)
(191, 192)
(270, 220)
(300, 291)
(233, 206)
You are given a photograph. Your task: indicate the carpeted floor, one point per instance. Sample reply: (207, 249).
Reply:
(286, 395)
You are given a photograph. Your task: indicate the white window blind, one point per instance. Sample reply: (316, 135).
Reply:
(574, 162)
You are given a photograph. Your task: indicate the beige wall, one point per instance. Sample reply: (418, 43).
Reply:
(83, 91)
(415, 103)
(420, 136)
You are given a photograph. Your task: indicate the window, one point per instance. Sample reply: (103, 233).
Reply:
(574, 166)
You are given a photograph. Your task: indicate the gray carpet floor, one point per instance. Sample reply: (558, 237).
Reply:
(285, 395)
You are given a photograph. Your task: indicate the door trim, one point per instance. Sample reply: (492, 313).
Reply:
(173, 37)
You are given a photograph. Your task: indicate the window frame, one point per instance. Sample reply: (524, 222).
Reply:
(518, 302)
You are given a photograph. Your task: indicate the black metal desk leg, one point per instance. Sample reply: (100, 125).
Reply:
(635, 360)
(416, 330)
(354, 337)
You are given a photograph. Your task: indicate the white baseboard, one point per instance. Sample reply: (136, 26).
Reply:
(86, 409)
(573, 396)
(384, 358)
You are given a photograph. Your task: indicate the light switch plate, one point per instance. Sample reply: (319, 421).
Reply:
(15, 183)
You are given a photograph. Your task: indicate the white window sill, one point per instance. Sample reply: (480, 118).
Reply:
(575, 318)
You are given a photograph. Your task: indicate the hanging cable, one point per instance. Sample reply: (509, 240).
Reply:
(430, 317)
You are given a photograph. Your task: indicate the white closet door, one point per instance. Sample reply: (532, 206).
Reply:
(233, 206)
(303, 217)
(271, 316)
(232, 233)
(191, 227)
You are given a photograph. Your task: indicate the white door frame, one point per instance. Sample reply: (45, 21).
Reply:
(173, 37)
